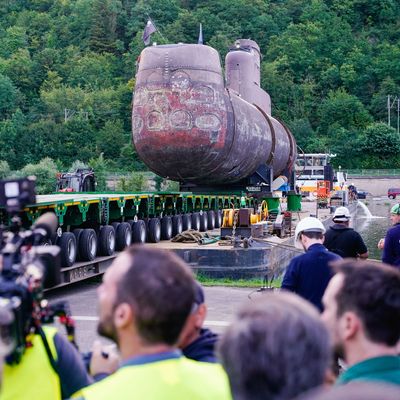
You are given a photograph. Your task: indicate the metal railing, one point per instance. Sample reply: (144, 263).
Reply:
(373, 172)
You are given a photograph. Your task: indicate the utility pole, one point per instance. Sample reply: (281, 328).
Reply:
(390, 105)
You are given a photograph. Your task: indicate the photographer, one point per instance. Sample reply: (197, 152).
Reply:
(35, 378)
(41, 364)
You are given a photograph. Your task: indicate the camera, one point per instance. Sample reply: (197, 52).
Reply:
(28, 266)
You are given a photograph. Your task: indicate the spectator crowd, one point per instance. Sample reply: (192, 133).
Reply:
(331, 332)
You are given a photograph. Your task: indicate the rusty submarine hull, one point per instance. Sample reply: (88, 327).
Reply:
(191, 125)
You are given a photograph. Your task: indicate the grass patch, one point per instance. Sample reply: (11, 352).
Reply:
(230, 282)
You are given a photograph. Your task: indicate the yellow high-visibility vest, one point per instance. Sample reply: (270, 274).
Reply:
(33, 377)
(172, 379)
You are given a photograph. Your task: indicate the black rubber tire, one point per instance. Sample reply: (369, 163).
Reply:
(166, 228)
(77, 233)
(154, 230)
(139, 231)
(391, 197)
(67, 244)
(186, 222)
(88, 245)
(123, 236)
(115, 225)
(106, 241)
(210, 220)
(218, 218)
(203, 221)
(196, 221)
(177, 225)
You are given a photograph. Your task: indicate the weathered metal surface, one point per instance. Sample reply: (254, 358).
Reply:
(188, 127)
(242, 72)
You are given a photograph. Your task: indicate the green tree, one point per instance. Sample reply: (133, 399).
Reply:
(77, 164)
(341, 109)
(15, 38)
(5, 170)
(111, 139)
(100, 168)
(45, 172)
(380, 147)
(12, 146)
(135, 182)
(9, 97)
(103, 28)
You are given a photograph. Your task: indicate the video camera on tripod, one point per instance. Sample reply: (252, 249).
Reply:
(28, 266)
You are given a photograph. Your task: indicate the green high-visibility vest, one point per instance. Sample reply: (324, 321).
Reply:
(172, 379)
(33, 377)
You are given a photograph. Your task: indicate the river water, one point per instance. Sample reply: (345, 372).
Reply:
(373, 229)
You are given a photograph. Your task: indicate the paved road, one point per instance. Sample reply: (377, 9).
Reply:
(222, 303)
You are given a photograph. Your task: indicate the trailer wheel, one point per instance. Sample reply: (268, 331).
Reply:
(123, 236)
(196, 221)
(186, 222)
(210, 220)
(88, 245)
(115, 225)
(77, 233)
(166, 228)
(67, 243)
(154, 230)
(218, 218)
(139, 231)
(177, 225)
(106, 240)
(203, 221)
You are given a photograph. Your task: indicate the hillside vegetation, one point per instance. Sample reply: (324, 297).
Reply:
(67, 72)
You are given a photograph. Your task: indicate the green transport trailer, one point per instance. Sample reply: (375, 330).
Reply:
(93, 227)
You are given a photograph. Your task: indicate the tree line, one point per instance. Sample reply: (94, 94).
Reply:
(67, 72)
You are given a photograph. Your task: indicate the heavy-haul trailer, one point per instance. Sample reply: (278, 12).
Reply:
(94, 227)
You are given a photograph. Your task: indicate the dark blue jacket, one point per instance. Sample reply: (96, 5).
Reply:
(202, 349)
(391, 250)
(70, 367)
(308, 274)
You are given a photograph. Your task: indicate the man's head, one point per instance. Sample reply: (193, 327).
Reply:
(341, 216)
(309, 231)
(395, 214)
(146, 291)
(362, 308)
(265, 348)
(194, 322)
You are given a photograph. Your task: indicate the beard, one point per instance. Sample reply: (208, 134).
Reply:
(106, 328)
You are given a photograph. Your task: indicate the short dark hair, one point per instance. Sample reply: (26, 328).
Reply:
(373, 292)
(267, 349)
(313, 235)
(159, 286)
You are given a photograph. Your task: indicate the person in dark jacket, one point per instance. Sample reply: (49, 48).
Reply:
(196, 342)
(343, 240)
(308, 275)
(391, 244)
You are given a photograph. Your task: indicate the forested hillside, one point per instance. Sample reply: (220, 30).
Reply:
(67, 72)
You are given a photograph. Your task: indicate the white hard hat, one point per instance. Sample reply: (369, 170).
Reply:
(308, 224)
(342, 214)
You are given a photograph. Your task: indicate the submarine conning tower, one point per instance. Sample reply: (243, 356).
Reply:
(187, 126)
(242, 73)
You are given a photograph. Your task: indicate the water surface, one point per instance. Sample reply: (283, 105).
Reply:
(375, 228)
